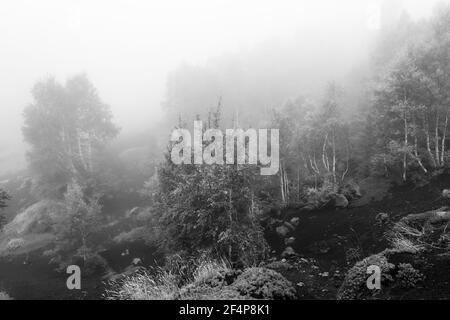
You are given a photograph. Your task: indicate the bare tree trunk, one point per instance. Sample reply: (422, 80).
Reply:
(346, 163)
(324, 154)
(405, 146)
(334, 157)
(444, 136)
(90, 153)
(80, 151)
(230, 217)
(427, 137)
(416, 154)
(284, 185)
(436, 140)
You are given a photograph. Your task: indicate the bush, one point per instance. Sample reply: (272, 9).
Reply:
(407, 276)
(210, 272)
(262, 283)
(143, 286)
(355, 286)
(95, 264)
(15, 244)
(211, 280)
(175, 281)
(405, 238)
(4, 296)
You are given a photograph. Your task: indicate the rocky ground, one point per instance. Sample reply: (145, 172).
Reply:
(324, 253)
(321, 251)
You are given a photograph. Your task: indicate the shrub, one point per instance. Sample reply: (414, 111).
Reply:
(262, 283)
(175, 281)
(405, 238)
(354, 285)
(407, 276)
(4, 296)
(211, 280)
(15, 244)
(210, 270)
(95, 264)
(143, 286)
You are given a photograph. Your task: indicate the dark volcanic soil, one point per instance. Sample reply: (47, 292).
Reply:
(336, 239)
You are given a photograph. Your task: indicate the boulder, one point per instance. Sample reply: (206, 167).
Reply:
(289, 226)
(446, 193)
(351, 190)
(289, 241)
(340, 201)
(15, 244)
(288, 252)
(282, 231)
(382, 218)
(295, 221)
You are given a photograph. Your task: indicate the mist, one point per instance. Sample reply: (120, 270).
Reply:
(131, 49)
(224, 150)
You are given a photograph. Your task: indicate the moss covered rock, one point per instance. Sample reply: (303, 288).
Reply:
(262, 283)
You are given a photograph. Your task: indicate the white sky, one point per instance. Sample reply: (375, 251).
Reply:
(127, 48)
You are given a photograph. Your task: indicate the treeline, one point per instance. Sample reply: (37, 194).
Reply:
(399, 130)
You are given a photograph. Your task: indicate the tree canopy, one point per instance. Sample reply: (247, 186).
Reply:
(67, 127)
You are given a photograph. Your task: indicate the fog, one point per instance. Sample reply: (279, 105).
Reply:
(129, 49)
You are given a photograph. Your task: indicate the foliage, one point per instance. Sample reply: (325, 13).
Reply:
(315, 144)
(405, 238)
(3, 198)
(143, 286)
(164, 283)
(211, 280)
(411, 106)
(76, 228)
(354, 285)
(67, 127)
(261, 283)
(209, 207)
(15, 244)
(4, 296)
(407, 276)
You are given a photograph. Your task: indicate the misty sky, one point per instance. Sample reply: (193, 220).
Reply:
(128, 48)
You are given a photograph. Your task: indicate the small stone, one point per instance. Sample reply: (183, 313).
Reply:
(300, 284)
(340, 201)
(382, 218)
(295, 222)
(289, 226)
(324, 250)
(446, 193)
(289, 241)
(282, 231)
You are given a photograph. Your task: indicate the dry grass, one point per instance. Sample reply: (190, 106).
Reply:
(162, 284)
(405, 238)
(209, 269)
(143, 286)
(406, 245)
(4, 296)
